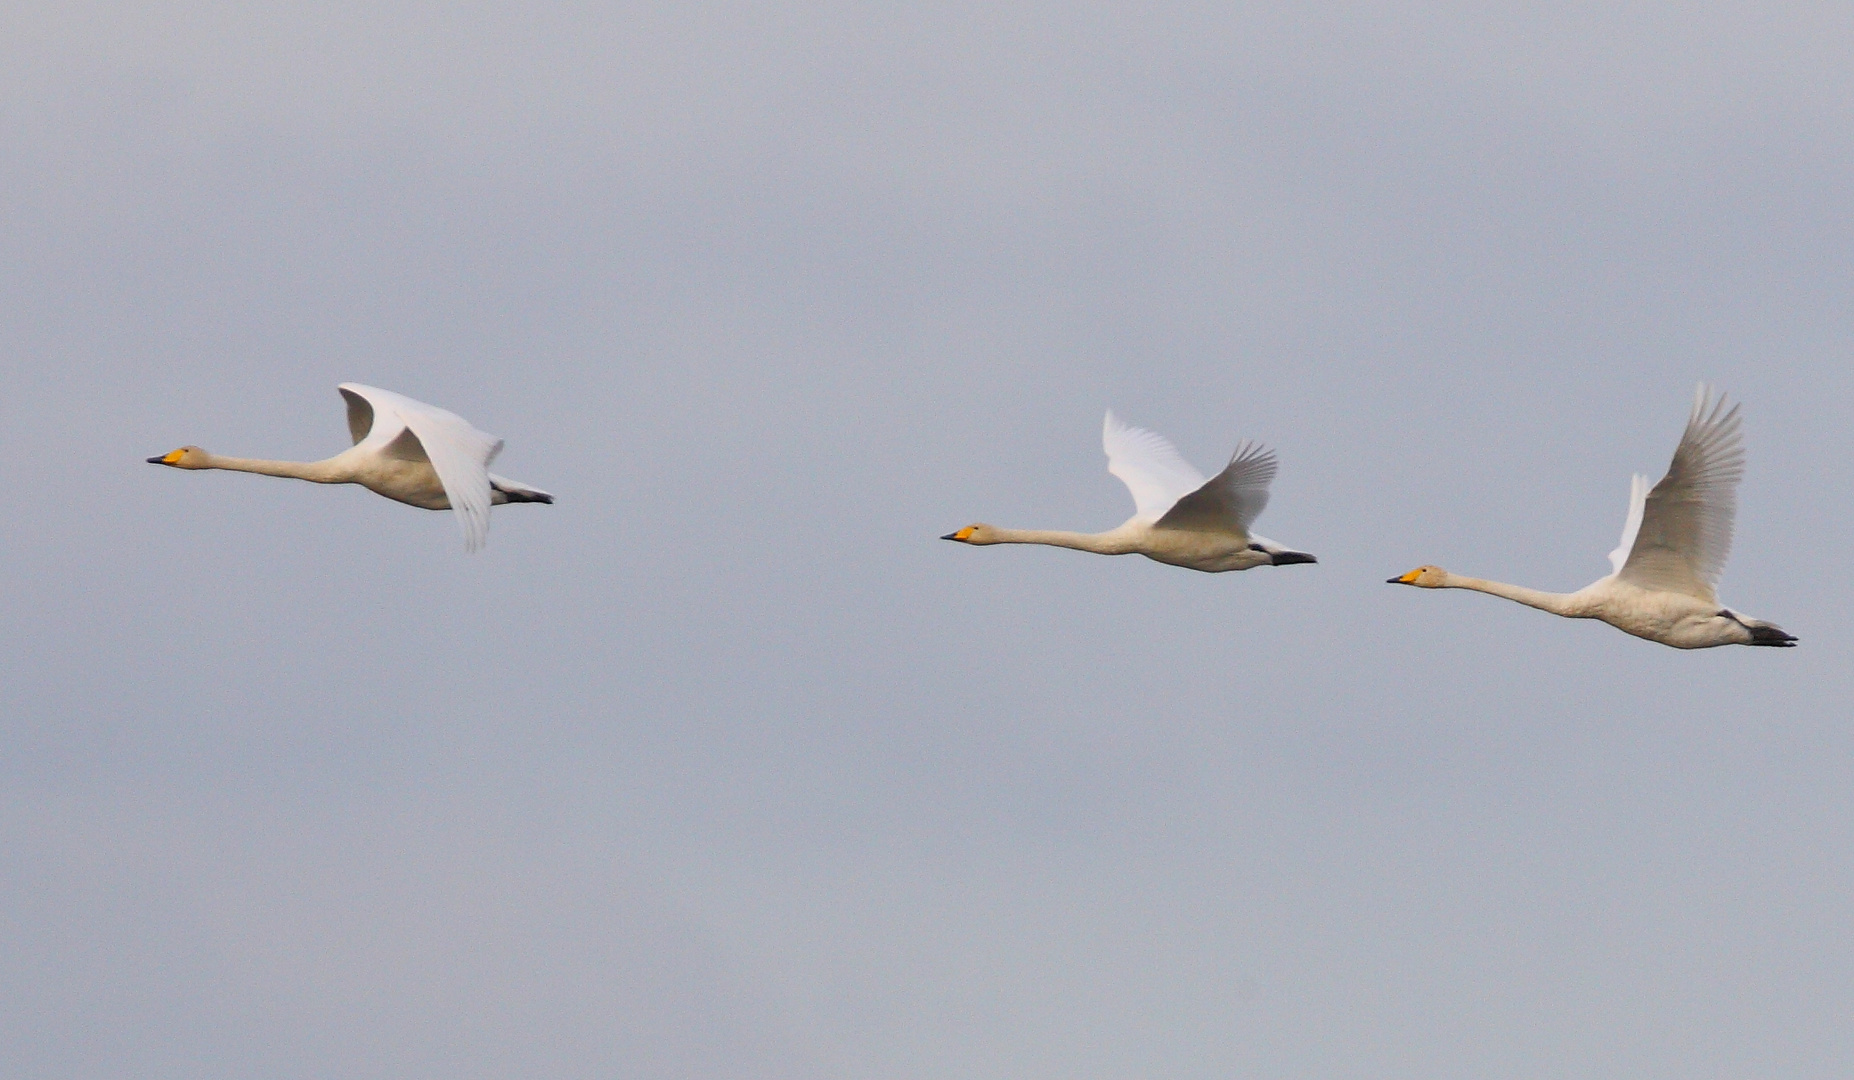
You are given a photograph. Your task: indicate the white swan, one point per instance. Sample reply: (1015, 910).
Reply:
(1674, 545)
(1180, 518)
(403, 449)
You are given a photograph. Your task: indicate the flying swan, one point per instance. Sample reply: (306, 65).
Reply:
(403, 449)
(1179, 518)
(1674, 545)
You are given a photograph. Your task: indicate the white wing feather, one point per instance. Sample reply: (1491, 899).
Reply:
(459, 453)
(1638, 498)
(1686, 526)
(1149, 466)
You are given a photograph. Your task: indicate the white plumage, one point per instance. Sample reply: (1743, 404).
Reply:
(404, 449)
(1664, 575)
(1178, 516)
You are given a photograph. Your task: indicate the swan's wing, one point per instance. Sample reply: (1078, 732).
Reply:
(1150, 467)
(1230, 501)
(458, 453)
(360, 412)
(1638, 498)
(1686, 527)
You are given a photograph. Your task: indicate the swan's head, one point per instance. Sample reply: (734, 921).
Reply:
(187, 457)
(1423, 577)
(974, 534)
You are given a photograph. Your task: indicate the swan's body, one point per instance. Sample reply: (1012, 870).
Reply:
(1674, 545)
(406, 450)
(1179, 518)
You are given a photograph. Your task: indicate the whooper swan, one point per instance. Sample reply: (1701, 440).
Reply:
(403, 449)
(1180, 518)
(1674, 545)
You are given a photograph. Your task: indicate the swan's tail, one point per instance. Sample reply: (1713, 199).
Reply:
(1763, 633)
(515, 492)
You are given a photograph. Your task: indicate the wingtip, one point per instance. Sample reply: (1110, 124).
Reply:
(1710, 402)
(1254, 450)
(475, 530)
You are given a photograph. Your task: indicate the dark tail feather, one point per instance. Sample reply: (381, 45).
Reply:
(1766, 634)
(514, 492)
(527, 496)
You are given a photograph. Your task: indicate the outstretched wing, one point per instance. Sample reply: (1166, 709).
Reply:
(1230, 501)
(1149, 466)
(1686, 527)
(458, 453)
(1638, 498)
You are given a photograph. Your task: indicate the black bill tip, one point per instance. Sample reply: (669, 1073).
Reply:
(954, 535)
(1288, 558)
(158, 459)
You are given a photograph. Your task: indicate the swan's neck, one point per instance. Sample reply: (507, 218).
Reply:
(1556, 603)
(1107, 543)
(320, 472)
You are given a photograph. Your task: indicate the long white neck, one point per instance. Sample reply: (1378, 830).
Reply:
(320, 472)
(1107, 543)
(1556, 603)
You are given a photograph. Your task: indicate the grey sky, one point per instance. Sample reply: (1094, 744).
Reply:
(724, 765)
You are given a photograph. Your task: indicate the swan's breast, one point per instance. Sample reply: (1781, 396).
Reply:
(413, 482)
(1210, 552)
(1684, 622)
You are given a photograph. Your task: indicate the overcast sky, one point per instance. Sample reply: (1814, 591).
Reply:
(724, 765)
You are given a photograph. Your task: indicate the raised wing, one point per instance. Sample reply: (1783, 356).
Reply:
(360, 411)
(1686, 526)
(1149, 466)
(1638, 498)
(1230, 501)
(458, 453)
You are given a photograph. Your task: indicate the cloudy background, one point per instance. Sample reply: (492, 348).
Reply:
(724, 765)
